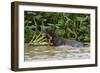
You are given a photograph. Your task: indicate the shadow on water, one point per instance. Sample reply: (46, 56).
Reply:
(32, 53)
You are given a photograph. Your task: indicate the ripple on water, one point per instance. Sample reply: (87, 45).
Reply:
(55, 53)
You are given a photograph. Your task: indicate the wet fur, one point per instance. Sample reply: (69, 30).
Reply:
(55, 40)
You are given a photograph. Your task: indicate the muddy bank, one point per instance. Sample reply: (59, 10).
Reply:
(32, 53)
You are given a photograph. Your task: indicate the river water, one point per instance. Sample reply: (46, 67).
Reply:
(37, 53)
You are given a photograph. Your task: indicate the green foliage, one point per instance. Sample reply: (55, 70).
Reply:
(38, 39)
(68, 25)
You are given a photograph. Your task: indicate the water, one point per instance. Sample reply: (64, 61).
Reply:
(37, 53)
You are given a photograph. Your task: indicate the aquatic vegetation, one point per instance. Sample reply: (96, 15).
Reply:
(68, 25)
(38, 39)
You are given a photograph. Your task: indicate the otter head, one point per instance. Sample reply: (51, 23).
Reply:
(46, 30)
